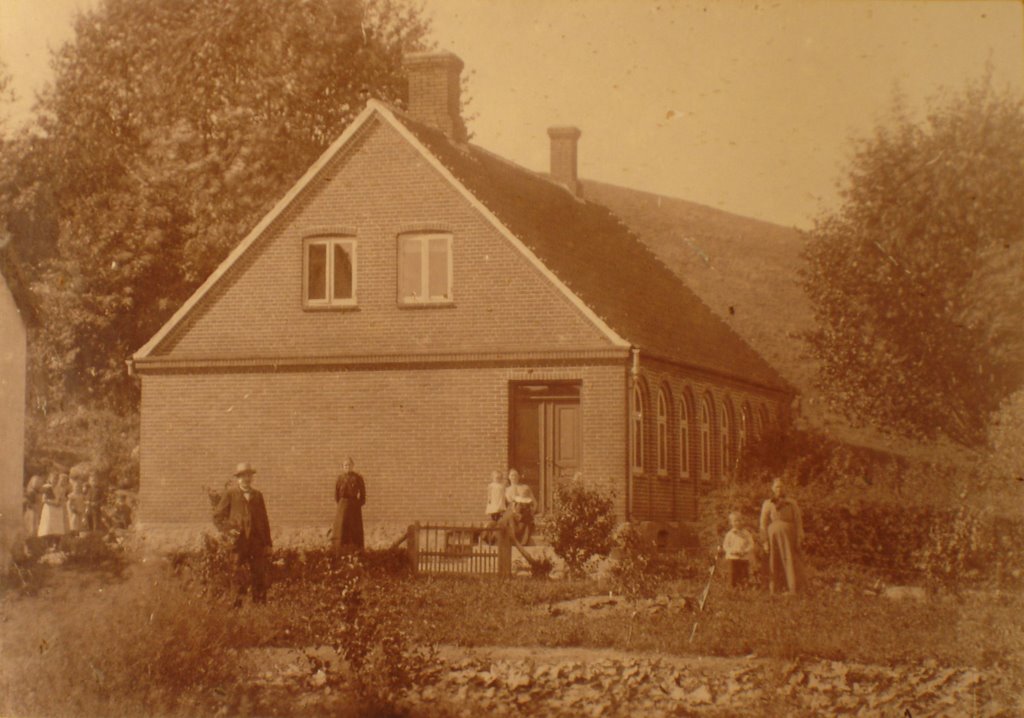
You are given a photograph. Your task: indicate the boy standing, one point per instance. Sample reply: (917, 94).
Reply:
(738, 547)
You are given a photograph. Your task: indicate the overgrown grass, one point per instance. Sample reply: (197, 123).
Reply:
(149, 643)
(86, 645)
(846, 624)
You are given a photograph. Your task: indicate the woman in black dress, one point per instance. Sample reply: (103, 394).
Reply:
(350, 495)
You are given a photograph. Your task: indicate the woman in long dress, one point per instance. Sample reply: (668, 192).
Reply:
(33, 504)
(350, 495)
(51, 519)
(782, 537)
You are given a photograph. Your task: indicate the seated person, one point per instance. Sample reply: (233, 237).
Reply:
(519, 515)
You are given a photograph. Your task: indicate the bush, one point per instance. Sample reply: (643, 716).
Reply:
(144, 646)
(581, 526)
(106, 440)
(636, 574)
(897, 539)
(373, 635)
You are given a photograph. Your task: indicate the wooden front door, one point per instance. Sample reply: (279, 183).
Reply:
(545, 436)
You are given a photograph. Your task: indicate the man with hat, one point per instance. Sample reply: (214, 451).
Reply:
(243, 513)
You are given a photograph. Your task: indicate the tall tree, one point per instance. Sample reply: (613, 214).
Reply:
(171, 127)
(917, 280)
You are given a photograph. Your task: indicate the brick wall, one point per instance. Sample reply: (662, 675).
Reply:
(380, 189)
(673, 495)
(425, 439)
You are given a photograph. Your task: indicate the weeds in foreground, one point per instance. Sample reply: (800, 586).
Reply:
(140, 647)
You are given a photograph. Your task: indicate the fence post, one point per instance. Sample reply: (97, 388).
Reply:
(504, 553)
(412, 543)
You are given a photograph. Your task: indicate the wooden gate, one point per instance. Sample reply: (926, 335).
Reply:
(484, 549)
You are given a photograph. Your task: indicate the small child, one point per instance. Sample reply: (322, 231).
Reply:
(495, 496)
(738, 547)
(496, 503)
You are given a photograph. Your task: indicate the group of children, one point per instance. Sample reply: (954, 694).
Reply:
(60, 504)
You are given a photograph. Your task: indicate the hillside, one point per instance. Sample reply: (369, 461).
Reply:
(747, 272)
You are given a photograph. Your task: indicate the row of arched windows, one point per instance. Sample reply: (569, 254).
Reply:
(706, 439)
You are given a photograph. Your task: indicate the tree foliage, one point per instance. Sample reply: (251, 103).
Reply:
(171, 127)
(917, 280)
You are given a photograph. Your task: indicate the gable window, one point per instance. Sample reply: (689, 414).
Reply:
(424, 268)
(662, 433)
(637, 458)
(684, 438)
(329, 277)
(705, 439)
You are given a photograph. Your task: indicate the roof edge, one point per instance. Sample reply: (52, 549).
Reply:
(311, 174)
(614, 337)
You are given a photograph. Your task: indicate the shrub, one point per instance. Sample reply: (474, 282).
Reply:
(897, 539)
(210, 571)
(144, 646)
(372, 635)
(581, 526)
(636, 574)
(105, 439)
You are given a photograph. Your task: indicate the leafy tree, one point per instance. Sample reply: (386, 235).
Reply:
(171, 127)
(917, 280)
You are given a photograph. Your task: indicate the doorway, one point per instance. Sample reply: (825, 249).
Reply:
(544, 435)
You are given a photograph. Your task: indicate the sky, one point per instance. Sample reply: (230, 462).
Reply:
(746, 106)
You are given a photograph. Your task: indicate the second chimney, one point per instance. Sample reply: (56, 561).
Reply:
(563, 156)
(434, 91)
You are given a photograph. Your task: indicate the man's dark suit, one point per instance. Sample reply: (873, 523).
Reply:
(247, 517)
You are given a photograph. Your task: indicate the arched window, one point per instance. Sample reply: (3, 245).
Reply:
(684, 437)
(744, 429)
(726, 440)
(765, 419)
(705, 439)
(662, 433)
(638, 429)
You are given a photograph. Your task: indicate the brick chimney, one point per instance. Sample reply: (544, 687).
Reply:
(434, 91)
(563, 156)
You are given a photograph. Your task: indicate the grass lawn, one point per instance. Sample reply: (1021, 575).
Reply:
(841, 625)
(143, 641)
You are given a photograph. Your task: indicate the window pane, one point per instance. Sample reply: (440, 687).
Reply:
(438, 268)
(684, 449)
(316, 284)
(342, 271)
(409, 269)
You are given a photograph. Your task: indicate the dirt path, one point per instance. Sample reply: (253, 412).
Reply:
(512, 681)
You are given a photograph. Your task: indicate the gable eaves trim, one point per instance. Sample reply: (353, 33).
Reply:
(268, 219)
(613, 336)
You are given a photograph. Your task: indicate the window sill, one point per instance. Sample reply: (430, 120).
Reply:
(426, 305)
(330, 307)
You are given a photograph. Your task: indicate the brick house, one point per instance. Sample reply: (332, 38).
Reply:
(436, 312)
(17, 315)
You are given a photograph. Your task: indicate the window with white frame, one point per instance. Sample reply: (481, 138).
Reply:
(329, 276)
(726, 441)
(705, 439)
(684, 438)
(638, 430)
(662, 433)
(425, 268)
